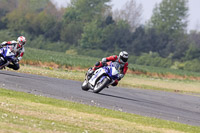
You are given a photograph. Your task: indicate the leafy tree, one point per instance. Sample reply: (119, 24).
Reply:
(139, 42)
(194, 37)
(106, 35)
(6, 6)
(87, 10)
(92, 36)
(14, 23)
(34, 17)
(53, 34)
(170, 18)
(33, 5)
(78, 17)
(156, 42)
(193, 51)
(71, 33)
(117, 37)
(131, 12)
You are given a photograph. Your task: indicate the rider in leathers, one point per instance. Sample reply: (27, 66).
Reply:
(122, 59)
(17, 49)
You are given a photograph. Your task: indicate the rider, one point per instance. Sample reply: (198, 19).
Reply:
(17, 49)
(122, 59)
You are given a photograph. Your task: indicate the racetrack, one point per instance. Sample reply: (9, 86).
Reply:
(164, 105)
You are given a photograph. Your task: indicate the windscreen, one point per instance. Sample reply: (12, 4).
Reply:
(116, 65)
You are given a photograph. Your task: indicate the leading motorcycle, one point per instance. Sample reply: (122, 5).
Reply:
(6, 56)
(102, 77)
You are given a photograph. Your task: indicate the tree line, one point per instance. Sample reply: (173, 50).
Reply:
(91, 27)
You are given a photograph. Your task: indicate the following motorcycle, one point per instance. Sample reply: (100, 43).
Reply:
(6, 56)
(102, 77)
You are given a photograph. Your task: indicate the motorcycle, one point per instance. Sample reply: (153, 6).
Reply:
(6, 56)
(102, 77)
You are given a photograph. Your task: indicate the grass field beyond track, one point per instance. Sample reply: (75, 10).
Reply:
(66, 60)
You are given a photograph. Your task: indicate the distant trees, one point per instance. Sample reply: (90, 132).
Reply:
(193, 51)
(31, 16)
(78, 17)
(170, 18)
(130, 12)
(91, 27)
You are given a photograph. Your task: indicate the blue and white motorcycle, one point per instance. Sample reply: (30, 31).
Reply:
(6, 56)
(102, 77)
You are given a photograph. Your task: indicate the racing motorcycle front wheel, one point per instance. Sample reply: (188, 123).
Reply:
(2, 62)
(84, 86)
(101, 85)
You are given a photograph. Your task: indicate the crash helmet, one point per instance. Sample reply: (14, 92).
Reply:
(21, 40)
(123, 57)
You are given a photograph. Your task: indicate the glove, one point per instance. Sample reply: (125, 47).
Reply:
(104, 62)
(120, 76)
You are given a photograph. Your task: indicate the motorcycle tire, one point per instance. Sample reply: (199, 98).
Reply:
(84, 86)
(99, 87)
(2, 62)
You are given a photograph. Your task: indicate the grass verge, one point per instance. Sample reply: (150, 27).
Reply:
(22, 112)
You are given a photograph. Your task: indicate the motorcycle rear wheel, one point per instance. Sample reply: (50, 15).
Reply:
(100, 86)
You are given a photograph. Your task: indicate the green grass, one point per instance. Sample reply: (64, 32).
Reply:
(67, 60)
(163, 71)
(22, 112)
(59, 58)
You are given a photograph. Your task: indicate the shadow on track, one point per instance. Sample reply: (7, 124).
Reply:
(119, 97)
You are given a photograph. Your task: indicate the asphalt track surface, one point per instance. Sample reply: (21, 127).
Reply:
(163, 105)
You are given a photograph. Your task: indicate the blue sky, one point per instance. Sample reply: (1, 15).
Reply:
(148, 5)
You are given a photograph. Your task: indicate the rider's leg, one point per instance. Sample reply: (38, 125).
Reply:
(115, 83)
(96, 66)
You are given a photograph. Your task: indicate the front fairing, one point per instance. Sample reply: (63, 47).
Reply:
(111, 72)
(99, 72)
(7, 53)
(114, 70)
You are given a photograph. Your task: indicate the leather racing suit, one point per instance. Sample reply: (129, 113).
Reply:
(114, 58)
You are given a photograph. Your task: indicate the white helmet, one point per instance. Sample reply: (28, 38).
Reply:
(123, 57)
(21, 40)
